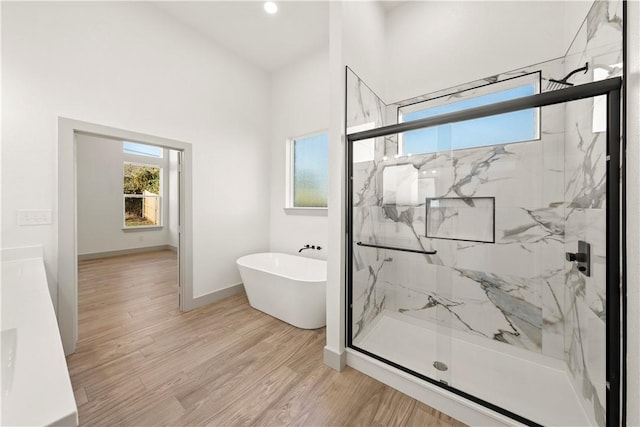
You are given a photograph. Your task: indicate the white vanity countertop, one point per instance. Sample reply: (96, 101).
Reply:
(36, 389)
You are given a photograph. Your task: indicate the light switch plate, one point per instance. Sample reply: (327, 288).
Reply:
(34, 216)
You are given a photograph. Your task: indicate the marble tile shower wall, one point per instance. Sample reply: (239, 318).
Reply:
(599, 43)
(548, 194)
(364, 107)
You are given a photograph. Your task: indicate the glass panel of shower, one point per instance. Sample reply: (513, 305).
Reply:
(488, 269)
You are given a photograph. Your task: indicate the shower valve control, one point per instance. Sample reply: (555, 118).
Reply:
(582, 257)
(576, 257)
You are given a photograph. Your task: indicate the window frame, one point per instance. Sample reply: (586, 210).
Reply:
(289, 178)
(160, 224)
(534, 78)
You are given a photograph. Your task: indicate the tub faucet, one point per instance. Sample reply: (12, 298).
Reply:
(309, 247)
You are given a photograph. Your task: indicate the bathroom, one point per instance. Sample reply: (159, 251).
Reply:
(97, 63)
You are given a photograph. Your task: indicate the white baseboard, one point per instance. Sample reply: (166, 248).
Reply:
(455, 406)
(109, 254)
(215, 296)
(335, 360)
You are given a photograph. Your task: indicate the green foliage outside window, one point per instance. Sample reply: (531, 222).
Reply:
(141, 180)
(138, 179)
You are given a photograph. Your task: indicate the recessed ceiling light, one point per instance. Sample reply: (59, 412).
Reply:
(270, 7)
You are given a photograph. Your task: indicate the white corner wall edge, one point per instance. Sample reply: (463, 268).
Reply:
(335, 335)
(440, 399)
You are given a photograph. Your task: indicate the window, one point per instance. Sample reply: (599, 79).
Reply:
(141, 149)
(308, 171)
(142, 201)
(517, 126)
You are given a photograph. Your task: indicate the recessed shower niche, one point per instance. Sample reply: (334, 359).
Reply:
(461, 218)
(457, 254)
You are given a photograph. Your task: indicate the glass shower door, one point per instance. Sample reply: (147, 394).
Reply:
(400, 312)
(484, 269)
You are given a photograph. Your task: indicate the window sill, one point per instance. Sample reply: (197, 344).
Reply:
(307, 211)
(142, 228)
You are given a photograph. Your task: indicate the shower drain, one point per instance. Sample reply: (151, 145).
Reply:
(440, 366)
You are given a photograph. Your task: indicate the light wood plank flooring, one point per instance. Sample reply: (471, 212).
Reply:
(140, 361)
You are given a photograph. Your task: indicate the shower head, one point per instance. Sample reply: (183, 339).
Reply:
(561, 84)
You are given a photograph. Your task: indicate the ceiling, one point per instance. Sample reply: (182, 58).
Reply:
(243, 27)
(268, 41)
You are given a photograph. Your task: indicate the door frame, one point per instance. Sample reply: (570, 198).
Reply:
(67, 218)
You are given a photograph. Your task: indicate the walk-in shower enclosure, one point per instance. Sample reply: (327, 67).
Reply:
(483, 233)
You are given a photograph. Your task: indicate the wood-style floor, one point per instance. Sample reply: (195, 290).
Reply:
(141, 362)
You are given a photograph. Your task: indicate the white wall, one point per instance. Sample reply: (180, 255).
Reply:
(99, 198)
(129, 66)
(363, 43)
(435, 45)
(299, 106)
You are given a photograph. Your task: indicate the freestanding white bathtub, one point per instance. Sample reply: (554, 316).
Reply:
(289, 287)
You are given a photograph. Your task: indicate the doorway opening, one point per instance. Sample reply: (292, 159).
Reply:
(127, 202)
(125, 217)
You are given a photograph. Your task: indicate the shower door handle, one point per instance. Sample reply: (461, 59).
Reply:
(393, 248)
(582, 257)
